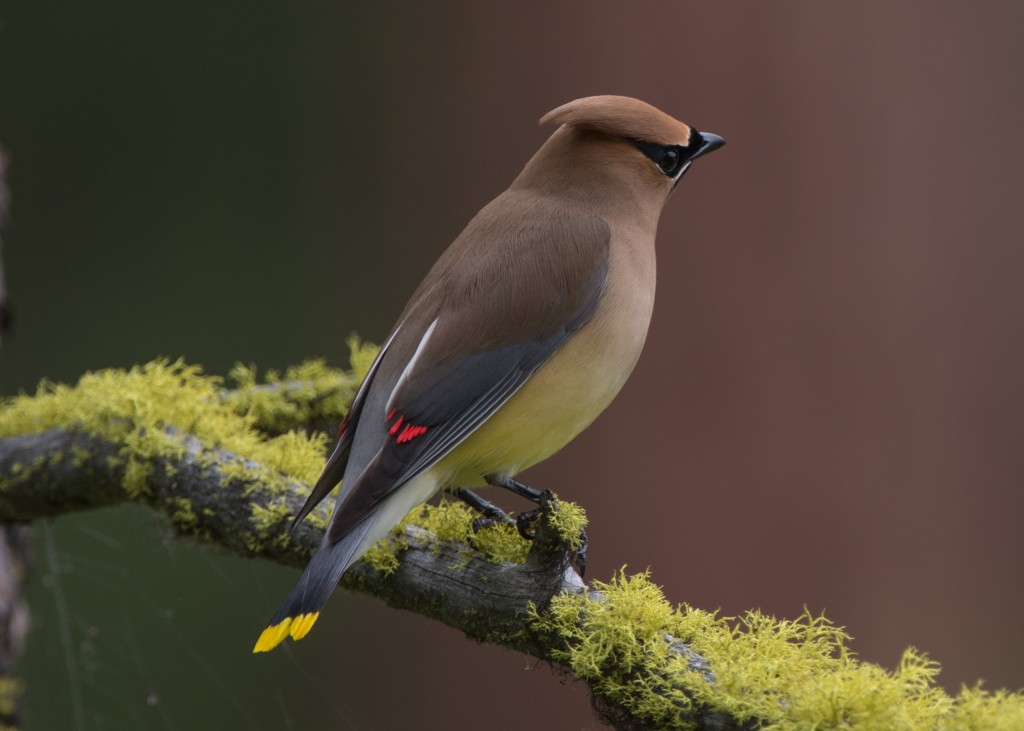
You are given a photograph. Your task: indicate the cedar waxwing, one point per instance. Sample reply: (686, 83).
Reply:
(518, 337)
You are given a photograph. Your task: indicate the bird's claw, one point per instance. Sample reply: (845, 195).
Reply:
(580, 558)
(525, 522)
(491, 517)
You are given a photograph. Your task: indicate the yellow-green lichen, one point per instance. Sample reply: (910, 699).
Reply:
(183, 516)
(451, 523)
(10, 694)
(782, 675)
(136, 476)
(269, 523)
(305, 393)
(361, 356)
(501, 543)
(383, 555)
(569, 520)
(23, 473)
(447, 522)
(309, 393)
(149, 409)
(79, 456)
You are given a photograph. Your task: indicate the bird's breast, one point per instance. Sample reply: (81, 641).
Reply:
(576, 384)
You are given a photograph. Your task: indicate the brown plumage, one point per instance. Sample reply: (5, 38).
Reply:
(518, 337)
(620, 116)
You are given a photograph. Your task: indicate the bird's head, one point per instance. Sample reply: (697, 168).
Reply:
(616, 147)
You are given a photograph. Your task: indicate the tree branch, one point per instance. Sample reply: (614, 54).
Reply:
(222, 467)
(60, 470)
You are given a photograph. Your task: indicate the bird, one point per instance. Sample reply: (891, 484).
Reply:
(519, 336)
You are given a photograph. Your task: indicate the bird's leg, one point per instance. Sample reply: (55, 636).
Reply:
(517, 487)
(489, 512)
(525, 520)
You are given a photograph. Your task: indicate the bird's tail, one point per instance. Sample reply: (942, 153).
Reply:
(297, 615)
(331, 560)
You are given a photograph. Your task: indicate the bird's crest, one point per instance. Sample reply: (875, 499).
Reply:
(621, 116)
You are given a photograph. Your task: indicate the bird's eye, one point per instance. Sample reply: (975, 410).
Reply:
(668, 158)
(669, 161)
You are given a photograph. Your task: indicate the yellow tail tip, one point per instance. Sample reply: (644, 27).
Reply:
(298, 627)
(302, 624)
(271, 637)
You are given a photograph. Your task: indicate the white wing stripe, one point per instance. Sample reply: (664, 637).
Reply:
(410, 366)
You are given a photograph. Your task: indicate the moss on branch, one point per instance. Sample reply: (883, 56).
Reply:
(232, 467)
(760, 672)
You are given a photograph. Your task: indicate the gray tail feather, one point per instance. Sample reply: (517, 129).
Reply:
(321, 575)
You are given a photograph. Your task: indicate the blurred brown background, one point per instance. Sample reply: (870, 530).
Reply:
(828, 412)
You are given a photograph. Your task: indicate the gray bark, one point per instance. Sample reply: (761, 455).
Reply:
(488, 601)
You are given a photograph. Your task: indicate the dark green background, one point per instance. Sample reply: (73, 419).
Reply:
(828, 413)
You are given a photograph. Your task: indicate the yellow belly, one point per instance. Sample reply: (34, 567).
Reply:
(569, 391)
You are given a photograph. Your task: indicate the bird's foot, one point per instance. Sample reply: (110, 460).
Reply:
(526, 522)
(490, 514)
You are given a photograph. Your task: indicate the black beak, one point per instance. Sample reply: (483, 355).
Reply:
(700, 143)
(703, 142)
